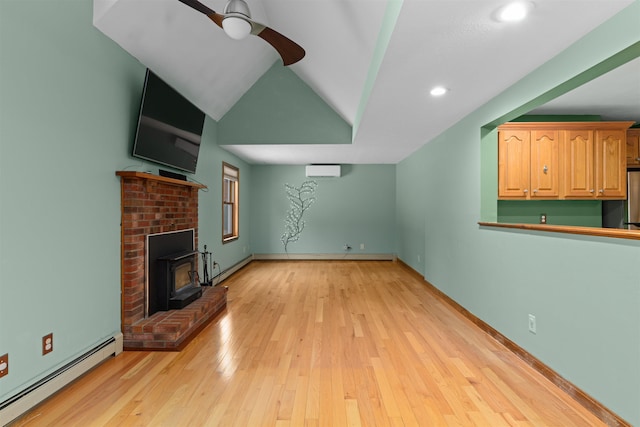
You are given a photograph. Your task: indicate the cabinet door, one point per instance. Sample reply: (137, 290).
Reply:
(513, 164)
(633, 147)
(544, 173)
(611, 164)
(578, 179)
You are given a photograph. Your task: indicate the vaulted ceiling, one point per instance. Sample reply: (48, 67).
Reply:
(372, 61)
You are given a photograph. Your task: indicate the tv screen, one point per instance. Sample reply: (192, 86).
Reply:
(169, 127)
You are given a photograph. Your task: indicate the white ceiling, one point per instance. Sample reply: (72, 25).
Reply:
(613, 96)
(377, 80)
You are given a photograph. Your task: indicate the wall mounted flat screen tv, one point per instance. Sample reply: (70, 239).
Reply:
(169, 127)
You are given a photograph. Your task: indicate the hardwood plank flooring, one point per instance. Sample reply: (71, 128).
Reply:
(320, 343)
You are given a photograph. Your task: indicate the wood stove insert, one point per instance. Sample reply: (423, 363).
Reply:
(177, 283)
(172, 265)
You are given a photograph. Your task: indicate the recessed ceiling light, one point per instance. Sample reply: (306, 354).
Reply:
(515, 11)
(438, 91)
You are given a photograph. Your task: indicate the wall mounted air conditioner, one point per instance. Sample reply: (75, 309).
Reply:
(322, 170)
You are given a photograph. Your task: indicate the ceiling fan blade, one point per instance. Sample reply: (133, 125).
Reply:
(290, 51)
(195, 4)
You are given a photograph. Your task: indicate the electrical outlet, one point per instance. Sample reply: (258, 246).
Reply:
(532, 323)
(47, 344)
(4, 365)
(362, 246)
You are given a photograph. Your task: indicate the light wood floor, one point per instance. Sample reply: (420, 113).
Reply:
(320, 344)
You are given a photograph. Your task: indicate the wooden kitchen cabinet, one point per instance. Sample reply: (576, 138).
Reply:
(562, 160)
(633, 147)
(611, 164)
(595, 163)
(528, 163)
(545, 171)
(513, 163)
(578, 153)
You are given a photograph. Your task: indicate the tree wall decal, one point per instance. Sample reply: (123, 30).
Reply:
(300, 198)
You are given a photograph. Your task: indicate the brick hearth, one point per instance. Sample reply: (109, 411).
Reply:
(169, 330)
(153, 204)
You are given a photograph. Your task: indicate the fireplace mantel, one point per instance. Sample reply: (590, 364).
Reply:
(157, 178)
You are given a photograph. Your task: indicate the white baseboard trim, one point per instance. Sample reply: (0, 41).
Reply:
(17, 405)
(326, 257)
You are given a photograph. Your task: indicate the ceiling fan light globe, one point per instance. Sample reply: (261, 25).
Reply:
(236, 27)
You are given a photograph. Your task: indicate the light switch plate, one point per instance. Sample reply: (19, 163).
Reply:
(532, 323)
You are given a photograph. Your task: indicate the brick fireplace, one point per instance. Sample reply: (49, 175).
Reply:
(150, 205)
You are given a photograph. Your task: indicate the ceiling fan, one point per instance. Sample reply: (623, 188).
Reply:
(237, 23)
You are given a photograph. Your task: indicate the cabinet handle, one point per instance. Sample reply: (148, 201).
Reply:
(525, 191)
(535, 191)
(592, 191)
(545, 169)
(601, 191)
(637, 159)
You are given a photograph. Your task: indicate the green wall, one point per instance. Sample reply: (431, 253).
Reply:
(209, 172)
(583, 213)
(358, 207)
(584, 291)
(282, 109)
(68, 111)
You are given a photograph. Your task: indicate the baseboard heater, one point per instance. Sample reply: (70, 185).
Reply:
(325, 257)
(17, 405)
(225, 274)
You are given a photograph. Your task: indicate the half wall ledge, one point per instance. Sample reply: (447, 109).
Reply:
(569, 229)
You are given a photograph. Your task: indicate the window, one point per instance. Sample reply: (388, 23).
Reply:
(230, 200)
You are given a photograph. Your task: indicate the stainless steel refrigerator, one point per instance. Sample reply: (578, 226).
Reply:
(624, 213)
(633, 200)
